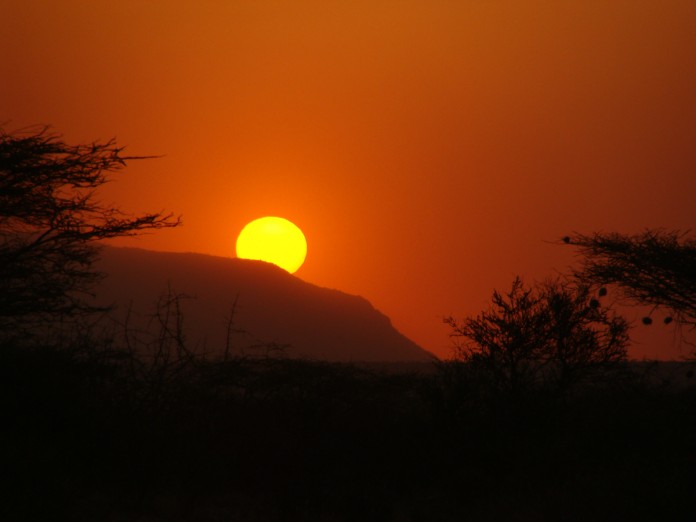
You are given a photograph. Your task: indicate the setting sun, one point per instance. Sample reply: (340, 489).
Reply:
(275, 240)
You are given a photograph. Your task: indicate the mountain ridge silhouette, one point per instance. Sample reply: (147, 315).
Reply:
(271, 307)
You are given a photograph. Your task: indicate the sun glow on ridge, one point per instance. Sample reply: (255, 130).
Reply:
(274, 240)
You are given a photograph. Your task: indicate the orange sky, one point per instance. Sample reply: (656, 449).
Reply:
(428, 149)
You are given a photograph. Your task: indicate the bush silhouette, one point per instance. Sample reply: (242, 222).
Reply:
(553, 336)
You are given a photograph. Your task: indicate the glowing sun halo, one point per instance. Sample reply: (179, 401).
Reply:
(275, 240)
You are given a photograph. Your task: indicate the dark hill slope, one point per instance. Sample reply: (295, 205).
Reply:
(272, 306)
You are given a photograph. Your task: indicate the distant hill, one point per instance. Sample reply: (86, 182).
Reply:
(273, 306)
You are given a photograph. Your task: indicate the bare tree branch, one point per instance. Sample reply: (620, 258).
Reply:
(656, 268)
(51, 221)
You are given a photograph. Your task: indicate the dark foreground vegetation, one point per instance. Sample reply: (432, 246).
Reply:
(540, 417)
(92, 433)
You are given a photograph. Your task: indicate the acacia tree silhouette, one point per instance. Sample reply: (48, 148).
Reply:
(50, 221)
(551, 336)
(656, 268)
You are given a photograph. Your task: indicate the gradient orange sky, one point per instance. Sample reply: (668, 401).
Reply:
(429, 150)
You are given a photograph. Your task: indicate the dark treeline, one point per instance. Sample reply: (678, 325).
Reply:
(540, 416)
(93, 433)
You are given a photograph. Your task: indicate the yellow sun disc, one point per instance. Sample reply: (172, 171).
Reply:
(275, 240)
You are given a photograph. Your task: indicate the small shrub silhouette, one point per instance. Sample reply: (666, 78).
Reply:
(553, 336)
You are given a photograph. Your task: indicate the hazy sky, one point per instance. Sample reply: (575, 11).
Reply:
(430, 150)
